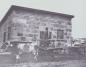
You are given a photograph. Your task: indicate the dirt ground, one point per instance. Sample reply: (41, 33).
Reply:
(27, 60)
(69, 63)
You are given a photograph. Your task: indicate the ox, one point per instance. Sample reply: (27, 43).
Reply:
(28, 48)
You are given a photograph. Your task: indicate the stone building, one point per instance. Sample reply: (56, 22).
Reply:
(24, 25)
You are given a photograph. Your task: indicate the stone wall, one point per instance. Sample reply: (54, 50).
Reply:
(26, 25)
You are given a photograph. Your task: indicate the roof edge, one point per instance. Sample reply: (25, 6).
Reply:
(43, 11)
(14, 7)
(6, 16)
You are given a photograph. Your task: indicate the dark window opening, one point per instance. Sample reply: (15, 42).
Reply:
(19, 34)
(45, 36)
(60, 34)
(9, 32)
(69, 23)
(23, 38)
(4, 37)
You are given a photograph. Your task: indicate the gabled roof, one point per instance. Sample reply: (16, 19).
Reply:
(13, 7)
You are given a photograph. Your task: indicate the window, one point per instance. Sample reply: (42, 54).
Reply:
(30, 35)
(4, 37)
(69, 23)
(60, 34)
(68, 30)
(19, 34)
(42, 35)
(23, 38)
(50, 34)
(9, 32)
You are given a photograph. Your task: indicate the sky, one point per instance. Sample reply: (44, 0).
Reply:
(72, 7)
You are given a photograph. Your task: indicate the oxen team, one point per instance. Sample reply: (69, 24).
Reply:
(24, 48)
(31, 48)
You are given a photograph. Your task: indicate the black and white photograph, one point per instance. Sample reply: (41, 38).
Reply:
(42, 33)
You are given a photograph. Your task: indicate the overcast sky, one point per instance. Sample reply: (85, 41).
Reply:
(73, 7)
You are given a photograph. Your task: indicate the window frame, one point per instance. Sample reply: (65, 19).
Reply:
(60, 34)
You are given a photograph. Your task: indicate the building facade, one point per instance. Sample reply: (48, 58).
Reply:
(27, 25)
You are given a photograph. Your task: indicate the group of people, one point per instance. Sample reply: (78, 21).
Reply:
(19, 48)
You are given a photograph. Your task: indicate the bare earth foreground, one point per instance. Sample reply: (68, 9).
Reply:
(69, 63)
(47, 61)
